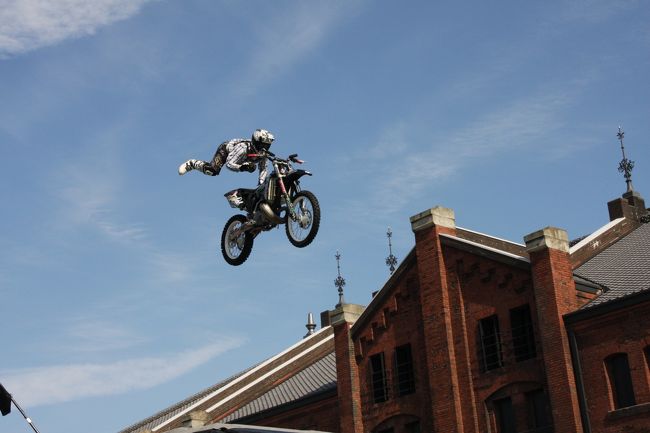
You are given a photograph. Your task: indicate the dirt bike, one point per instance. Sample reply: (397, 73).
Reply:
(278, 200)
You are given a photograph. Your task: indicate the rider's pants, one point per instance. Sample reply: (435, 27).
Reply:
(213, 167)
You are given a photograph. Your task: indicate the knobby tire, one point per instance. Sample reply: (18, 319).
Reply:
(315, 220)
(247, 247)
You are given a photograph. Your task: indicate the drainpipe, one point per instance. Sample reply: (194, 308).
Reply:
(582, 400)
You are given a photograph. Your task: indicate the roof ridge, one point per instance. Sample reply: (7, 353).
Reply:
(305, 383)
(167, 415)
(587, 239)
(186, 401)
(490, 236)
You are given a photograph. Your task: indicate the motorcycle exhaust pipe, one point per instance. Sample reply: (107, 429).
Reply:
(269, 214)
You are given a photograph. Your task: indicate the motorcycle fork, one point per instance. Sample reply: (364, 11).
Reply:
(287, 200)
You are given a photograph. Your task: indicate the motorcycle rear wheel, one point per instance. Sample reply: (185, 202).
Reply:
(303, 230)
(236, 250)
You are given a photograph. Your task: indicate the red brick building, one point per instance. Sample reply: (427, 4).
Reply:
(470, 334)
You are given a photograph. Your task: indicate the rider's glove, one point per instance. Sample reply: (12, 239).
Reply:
(247, 166)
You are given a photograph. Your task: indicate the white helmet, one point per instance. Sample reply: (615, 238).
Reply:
(262, 139)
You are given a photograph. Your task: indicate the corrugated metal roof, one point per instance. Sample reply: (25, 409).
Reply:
(238, 428)
(318, 377)
(227, 389)
(623, 268)
(170, 412)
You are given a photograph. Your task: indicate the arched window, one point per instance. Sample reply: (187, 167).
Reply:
(520, 406)
(403, 423)
(620, 380)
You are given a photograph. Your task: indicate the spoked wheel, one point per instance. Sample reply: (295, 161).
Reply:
(236, 246)
(303, 229)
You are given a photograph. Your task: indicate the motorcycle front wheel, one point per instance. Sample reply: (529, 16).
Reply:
(302, 230)
(236, 247)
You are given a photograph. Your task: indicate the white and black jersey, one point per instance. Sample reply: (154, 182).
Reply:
(233, 154)
(238, 151)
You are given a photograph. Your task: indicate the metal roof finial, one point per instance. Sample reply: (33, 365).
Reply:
(391, 260)
(340, 281)
(626, 165)
(311, 325)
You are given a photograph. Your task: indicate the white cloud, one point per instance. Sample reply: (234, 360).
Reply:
(520, 124)
(91, 200)
(90, 197)
(171, 267)
(289, 36)
(26, 25)
(57, 384)
(92, 335)
(592, 11)
(91, 193)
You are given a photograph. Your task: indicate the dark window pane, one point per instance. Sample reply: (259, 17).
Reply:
(404, 370)
(505, 416)
(378, 378)
(620, 379)
(539, 412)
(523, 337)
(489, 344)
(412, 427)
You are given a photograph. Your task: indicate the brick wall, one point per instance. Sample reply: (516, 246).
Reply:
(395, 322)
(347, 375)
(626, 331)
(322, 415)
(447, 401)
(435, 305)
(483, 288)
(555, 296)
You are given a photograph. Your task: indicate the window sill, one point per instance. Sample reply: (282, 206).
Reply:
(628, 411)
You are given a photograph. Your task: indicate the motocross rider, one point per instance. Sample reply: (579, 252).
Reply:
(236, 154)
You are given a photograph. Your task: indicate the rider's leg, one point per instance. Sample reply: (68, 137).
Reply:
(219, 158)
(211, 168)
(195, 164)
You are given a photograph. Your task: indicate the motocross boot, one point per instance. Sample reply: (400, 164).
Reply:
(195, 164)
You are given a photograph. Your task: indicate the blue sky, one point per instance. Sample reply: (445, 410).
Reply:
(114, 297)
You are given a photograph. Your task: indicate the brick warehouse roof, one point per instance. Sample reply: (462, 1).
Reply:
(238, 428)
(254, 381)
(623, 269)
(180, 407)
(315, 379)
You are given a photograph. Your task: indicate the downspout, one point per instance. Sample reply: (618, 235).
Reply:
(582, 400)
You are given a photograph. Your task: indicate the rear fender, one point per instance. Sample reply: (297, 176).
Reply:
(248, 197)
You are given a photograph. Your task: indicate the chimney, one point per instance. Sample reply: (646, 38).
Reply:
(325, 318)
(438, 217)
(555, 296)
(630, 206)
(197, 418)
(451, 399)
(347, 373)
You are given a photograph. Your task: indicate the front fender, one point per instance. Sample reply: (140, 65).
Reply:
(293, 177)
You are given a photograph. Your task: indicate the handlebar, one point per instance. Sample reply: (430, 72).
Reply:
(270, 155)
